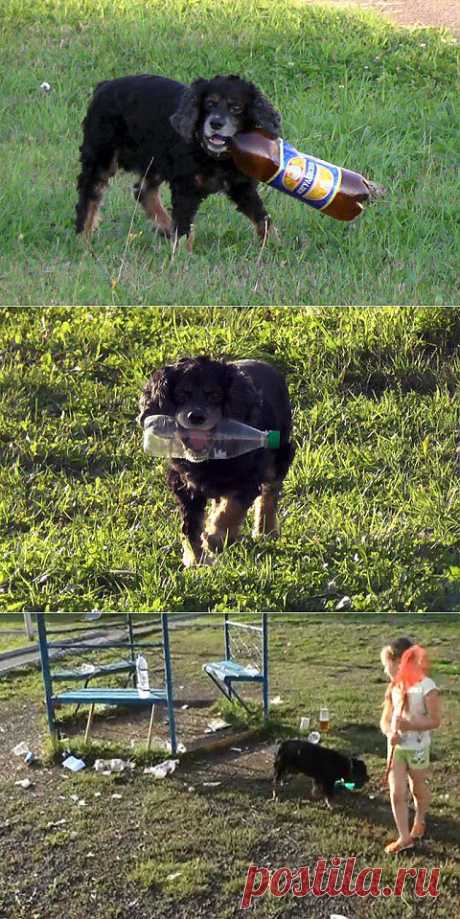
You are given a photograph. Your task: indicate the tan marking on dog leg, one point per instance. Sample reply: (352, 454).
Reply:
(265, 507)
(93, 217)
(224, 524)
(153, 206)
(195, 555)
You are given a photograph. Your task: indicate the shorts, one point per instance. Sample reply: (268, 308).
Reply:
(414, 759)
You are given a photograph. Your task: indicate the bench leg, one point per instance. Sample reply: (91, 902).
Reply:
(88, 723)
(149, 736)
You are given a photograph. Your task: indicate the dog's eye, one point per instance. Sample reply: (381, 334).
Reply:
(183, 395)
(236, 109)
(210, 104)
(212, 395)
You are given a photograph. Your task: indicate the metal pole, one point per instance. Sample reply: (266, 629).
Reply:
(169, 682)
(265, 662)
(228, 650)
(46, 672)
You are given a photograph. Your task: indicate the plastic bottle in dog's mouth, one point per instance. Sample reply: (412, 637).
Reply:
(163, 436)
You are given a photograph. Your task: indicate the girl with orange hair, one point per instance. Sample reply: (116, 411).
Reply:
(410, 711)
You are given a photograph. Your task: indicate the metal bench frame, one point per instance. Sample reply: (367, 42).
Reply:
(228, 671)
(95, 695)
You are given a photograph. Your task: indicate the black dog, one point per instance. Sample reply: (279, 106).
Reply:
(323, 765)
(164, 131)
(199, 392)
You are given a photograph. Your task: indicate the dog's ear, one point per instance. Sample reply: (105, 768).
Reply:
(263, 114)
(242, 401)
(185, 119)
(157, 398)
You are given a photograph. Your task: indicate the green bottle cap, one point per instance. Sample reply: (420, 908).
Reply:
(273, 440)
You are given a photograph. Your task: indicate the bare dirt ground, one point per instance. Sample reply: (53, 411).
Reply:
(439, 14)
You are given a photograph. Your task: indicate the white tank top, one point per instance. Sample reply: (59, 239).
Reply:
(414, 707)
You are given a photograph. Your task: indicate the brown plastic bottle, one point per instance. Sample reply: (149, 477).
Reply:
(338, 192)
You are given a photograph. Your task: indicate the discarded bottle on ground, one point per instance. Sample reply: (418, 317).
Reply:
(333, 190)
(142, 676)
(163, 436)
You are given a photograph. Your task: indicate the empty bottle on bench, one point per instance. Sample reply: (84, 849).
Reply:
(163, 436)
(142, 676)
(335, 191)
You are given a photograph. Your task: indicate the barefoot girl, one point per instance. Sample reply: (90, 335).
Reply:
(411, 710)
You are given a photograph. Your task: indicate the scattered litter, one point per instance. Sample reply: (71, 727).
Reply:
(176, 874)
(211, 784)
(191, 788)
(236, 749)
(97, 794)
(184, 707)
(29, 758)
(81, 803)
(74, 764)
(86, 668)
(304, 723)
(53, 823)
(276, 701)
(90, 855)
(21, 749)
(24, 783)
(107, 766)
(162, 770)
(117, 797)
(74, 798)
(216, 724)
(344, 603)
(371, 797)
(45, 87)
(314, 737)
(337, 916)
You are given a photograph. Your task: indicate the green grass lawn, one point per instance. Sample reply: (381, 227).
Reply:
(179, 848)
(352, 88)
(371, 504)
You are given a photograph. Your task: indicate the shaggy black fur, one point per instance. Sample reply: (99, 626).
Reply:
(202, 391)
(162, 130)
(323, 765)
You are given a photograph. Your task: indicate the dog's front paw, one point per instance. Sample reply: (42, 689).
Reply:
(191, 559)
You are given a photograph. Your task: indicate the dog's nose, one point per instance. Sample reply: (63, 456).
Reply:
(196, 417)
(217, 123)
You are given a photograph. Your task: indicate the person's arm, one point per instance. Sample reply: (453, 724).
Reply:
(427, 722)
(387, 714)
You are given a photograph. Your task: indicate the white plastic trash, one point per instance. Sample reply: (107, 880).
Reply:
(74, 764)
(304, 723)
(21, 749)
(142, 676)
(162, 770)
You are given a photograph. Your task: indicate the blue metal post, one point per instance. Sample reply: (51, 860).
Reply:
(169, 682)
(130, 635)
(46, 672)
(265, 662)
(228, 650)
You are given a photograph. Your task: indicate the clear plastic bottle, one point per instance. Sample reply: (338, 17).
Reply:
(142, 676)
(163, 436)
(333, 190)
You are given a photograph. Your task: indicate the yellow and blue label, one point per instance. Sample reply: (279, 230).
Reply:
(306, 178)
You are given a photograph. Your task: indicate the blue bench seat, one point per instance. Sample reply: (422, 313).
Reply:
(229, 671)
(94, 696)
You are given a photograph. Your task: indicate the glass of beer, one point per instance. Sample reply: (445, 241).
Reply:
(324, 718)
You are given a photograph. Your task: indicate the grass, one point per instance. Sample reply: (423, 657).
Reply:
(178, 848)
(352, 88)
(371, 503)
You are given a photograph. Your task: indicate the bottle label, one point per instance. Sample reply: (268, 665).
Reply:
(307, 178)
